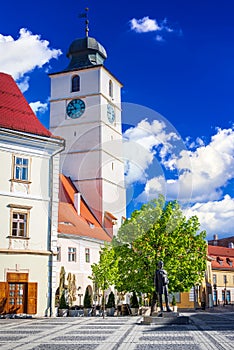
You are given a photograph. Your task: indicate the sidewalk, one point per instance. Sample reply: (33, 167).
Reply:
(218, 309)
(206, 331)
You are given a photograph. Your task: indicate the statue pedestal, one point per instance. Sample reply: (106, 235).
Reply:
(161, 318)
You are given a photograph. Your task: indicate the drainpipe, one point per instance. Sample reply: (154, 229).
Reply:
(50, 259)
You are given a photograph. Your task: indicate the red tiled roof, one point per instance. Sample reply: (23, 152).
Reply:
(15, 112)
(69, 222)
(66, 189)
(72, 223)
(220, 251)
(223, 255)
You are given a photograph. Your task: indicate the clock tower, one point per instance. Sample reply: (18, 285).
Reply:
(85, 110)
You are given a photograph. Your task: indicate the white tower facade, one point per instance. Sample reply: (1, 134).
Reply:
(85, 110)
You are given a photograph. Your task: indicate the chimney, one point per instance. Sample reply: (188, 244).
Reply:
(215, 240)
(230, 245)
(77, 202)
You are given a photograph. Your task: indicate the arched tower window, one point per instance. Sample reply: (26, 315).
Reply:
(110, 88)
(75, 83)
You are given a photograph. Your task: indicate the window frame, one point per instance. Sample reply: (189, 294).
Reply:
(20, 177)
(87, 255)
(58, 254)
(225, 280)
(111, 88)
(75, 83)
(71, 254)
(19, 210)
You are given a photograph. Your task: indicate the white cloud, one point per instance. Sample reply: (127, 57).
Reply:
(144, 25)
(195, 143)
(212, 166)
(215, 216)
(39, 107)
(141, 143)
(23, 83)
(152, 189)
(21, 56)
(159, 38)
(201, 174)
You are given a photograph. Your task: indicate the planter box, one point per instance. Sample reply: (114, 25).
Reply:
(110, 311)
(134, 311)
(88, 312)
(62, 312)
(73, 313)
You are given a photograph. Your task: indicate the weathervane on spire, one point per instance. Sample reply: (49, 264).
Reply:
(85, 15)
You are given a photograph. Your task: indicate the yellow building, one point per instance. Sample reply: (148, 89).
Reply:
(223, 273)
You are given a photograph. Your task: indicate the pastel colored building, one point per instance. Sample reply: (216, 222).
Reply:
(223, 273)
(29, 185)
(80, 238)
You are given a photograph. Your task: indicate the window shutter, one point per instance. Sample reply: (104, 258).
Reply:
(32, 298)
(3, 297)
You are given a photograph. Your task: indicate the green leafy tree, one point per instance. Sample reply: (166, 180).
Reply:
(62, 302)
(134, 301)
(111, 300)
(87, 299)
(104, 273)
(159, 231)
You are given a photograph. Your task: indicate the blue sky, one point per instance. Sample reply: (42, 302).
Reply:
(175, 59)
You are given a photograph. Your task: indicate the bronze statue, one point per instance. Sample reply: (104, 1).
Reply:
(161, 285)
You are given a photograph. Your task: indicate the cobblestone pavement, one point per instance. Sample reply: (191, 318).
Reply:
(206, 331)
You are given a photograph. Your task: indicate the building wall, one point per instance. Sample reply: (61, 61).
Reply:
(93, 156)
(221, 287)
(80, 267)
(31, 254)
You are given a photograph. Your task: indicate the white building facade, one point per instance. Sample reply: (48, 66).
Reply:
(29, 181)
(85, 110)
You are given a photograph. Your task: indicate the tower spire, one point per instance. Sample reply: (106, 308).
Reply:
(85, 15)
(87, 23)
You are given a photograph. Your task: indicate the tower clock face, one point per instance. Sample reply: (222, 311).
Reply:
(110, 113)
(75, 108)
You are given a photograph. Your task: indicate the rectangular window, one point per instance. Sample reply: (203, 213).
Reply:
(223, 295)
(58, 253)
(215, 297)
(87, 255)
(225, 279)
(214, 279)
(71, 254)
(191, 294)
(228, 296)
(21, 169)
(19, 224)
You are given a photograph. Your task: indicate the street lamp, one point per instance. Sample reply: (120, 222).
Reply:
(215, 294)
(225, 289)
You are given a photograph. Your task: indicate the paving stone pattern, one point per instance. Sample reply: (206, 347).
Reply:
(206, 331)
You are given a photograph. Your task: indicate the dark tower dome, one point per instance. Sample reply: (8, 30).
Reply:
(85, 52)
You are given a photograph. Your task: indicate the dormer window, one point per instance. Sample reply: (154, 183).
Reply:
(75, 83)
(110, 88)
(220, 260)
(229, 262)
(91, 225)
